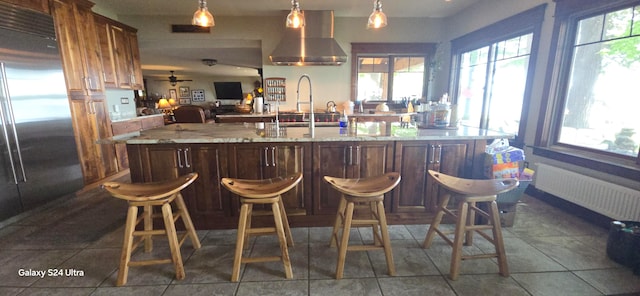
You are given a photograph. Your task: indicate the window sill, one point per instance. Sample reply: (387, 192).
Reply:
(613, 166)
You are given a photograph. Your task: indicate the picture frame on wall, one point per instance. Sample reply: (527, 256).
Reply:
(184, 92)
(173, 94)
(197, 95)
(185, 101)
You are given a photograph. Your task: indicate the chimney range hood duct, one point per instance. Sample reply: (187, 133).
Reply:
(313, 44)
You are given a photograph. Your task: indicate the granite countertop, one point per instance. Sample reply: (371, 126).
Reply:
(255, 132)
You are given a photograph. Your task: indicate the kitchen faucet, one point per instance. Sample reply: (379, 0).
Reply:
(312, 125)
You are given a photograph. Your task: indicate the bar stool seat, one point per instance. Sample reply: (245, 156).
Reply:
(150, 195)
(469, 193)
(367, 193)
(266, 191)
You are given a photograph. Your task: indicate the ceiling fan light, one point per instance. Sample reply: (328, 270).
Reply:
(173, 83)
(202, 17)
(377, 19)
(295, 18)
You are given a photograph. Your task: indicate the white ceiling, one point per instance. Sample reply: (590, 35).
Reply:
(158, 61)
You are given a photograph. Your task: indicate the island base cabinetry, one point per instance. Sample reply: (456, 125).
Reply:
(312, 202)
(207, 201)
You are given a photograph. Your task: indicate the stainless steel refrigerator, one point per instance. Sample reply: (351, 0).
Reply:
(38, 156)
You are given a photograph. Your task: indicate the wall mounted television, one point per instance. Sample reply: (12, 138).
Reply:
(228, 90)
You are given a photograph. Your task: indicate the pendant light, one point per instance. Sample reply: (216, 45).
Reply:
(377, 19)
(202, 17)
(295, 19)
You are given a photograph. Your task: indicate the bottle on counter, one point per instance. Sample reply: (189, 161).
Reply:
(344, 120)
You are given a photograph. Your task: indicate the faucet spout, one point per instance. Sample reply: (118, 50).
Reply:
(312, 125)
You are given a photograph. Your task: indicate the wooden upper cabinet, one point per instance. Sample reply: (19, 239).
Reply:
(137, 79)
(37, 5)
(79, 46)
(120, 54)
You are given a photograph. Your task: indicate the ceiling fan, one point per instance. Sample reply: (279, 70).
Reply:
(173, 80)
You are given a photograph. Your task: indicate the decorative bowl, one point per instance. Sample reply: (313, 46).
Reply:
(243, 108)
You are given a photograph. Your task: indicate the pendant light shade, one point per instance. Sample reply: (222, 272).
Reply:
(202, 17)
(377, 19)
(295, 19)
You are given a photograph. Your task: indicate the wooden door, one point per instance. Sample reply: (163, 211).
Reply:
(79, 46)
(137, 81)
(107, 56)
(263, 161)
(416, 192)
(122, 53)
(108, 159)
(330, 159)
(206, 198)
(86, 135)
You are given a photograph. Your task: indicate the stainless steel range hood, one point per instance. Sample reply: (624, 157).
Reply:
(311, 45)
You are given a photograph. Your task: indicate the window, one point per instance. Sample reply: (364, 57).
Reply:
(589, 106)
(390, 72)
(601, 98)
(493, 71)
(491, 84)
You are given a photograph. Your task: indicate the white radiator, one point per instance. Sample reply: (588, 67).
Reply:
(612, 200)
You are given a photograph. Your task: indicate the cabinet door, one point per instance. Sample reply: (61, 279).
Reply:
(106, 54)
(137, 81)
(205, 198)
(79, 47)
(122, 53)
(416, 193)
(330, 159)
(108, 159)
(263, 161)
(90, 124)
(346, 160)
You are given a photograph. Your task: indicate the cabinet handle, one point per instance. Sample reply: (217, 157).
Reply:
(266, 156)
(350, 155)
(273, 156)
(433, 149)
(179, 159)
(357, 155)
(186, 158)
(439, 154)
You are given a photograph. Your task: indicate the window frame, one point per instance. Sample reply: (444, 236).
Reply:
(391, 50)
(567, 15)
(529, 21)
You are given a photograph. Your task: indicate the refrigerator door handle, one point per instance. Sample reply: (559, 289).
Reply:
(4, 119)
(11, 117)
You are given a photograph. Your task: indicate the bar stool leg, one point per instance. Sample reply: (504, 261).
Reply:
(241, 237)
(386, 242)
(471, 220)
(456, 254)
(188, 224)
(148, 226)
(344, 242)
(286, 261)
(127, 245)
(375, 214)
(339, 221)
(497, 239)
(285, 222)
(435, 224)
(172, 237)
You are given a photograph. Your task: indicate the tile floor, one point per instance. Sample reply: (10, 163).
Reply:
(549, 252)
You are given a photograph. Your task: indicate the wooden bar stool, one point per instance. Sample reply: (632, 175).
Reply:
(469, 193)
(368, 194)
(267, 191)
(150, 195)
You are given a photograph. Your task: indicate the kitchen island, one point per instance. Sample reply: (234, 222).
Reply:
(241, 150)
